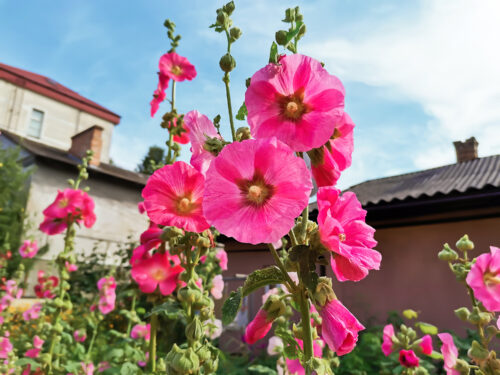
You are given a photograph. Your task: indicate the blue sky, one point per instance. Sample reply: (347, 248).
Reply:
(418, 74)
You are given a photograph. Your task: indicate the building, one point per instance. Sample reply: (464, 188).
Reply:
(54, 126)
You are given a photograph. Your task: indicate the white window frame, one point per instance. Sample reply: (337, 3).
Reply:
(44, 114)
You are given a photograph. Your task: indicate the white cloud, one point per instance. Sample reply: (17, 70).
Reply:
(445, 57)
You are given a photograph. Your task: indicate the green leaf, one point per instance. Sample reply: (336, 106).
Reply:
(231, 306)
(273, 55)
(410, 314)
(115, 354)
(259, 369)
(27, 361)
(260, 278)
(436, 355)
(242, 112)
(171, 309)
(426, 328)
(129, 369)
(291, 352)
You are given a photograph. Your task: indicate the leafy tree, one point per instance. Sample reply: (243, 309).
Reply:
(152, 161)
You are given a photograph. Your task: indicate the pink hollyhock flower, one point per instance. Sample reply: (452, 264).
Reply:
(199, 129)
(335, 156)
(150, 239)
(80, 335)
(159, 96)
(183, 137)
(484, 279)
(250, 196)
(407, 358)
(141, 208)
(69, 206)
(221, 256)
(173, 196)
(107, 294)
(387, 339)
(33, 312)
(294, 366)
(343, 231)
(88, 368)
(141, 331)
(176, 67)
(5, 347)
(426, 345)
(339, 328)
(217, 287)
(144, 363)
(28, 249)
(156, 271)
(103, 366)
(274, 345)
(37, 347)
(70, 267)
(213, 329)
(296, 101)
(258, 327)
(46, 285)
(450, 353)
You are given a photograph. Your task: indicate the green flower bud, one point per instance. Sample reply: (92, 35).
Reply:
(206, 313)
(227, 63)
(210, 366)
(492, 330)
(462, 313)
(477, 352)
(302, 31)
(421, 371)
(203, 302)
(281, 37)
(235, 33)
(464, 244)
(57, 328)
(447, 254)
(229, 7)
(222, 18)
(289, 15)
(213, 145)
(203, 242)
(171, 232)
(161, 366)
(243, 134)
(182, 361)
(462, 367)
(460, 271)
(204, 354)
(189, 295)
(58, 303)
(194, 330)
(324, 292)
(274, 306)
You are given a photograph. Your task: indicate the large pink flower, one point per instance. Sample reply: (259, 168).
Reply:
(258, 327)
(176, 67)
(70, 206)
(450, 353)
(159, 270)
(339, 328)
(387, 345)
(335, 156)
(294, 366)
(484, 279)
(296, 101)
(408, 358)
(199, 129)
(343, 230)
(255, 189)
(173, 196)
(28, 249)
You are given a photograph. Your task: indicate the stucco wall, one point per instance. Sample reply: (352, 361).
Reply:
(60, 120)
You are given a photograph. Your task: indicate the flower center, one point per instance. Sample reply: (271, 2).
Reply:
(293, 106)
(342, 237)
(255, 191)
(63, 202)
(177, 70)
(336, 134)
(185, 206)
(491, 279)
(158, 274)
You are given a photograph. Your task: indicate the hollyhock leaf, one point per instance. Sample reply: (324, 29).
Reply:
(410, 314)
(259, 369)
(290, 352)
(169, 308)
(27, 361)
(426, 328)
(260, 278)
(128, 369)
(242, 113)
(231, 306)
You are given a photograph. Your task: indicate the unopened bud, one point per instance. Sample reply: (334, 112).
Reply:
(281, 37)
(213, 145)
(182, 361)
(204, 354)
(243, 134)
(421, 371)
(274, 307)
(227, 63)
(464, 244)
(194, 330)
(210, 366)
(222, 18)
(203, 242)
(229, 7)
(447, 254)
(477, 352)
(302, 31)
(170, 232)
(460, 271)
(189, 295)
(235, 33)
(462, 313)
(324, 292)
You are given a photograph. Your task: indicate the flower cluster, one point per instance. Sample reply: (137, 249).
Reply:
(46, 285)
(107, 295)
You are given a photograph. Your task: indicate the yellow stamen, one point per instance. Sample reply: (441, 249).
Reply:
(177, 70)
(184, 205)
(342, 237)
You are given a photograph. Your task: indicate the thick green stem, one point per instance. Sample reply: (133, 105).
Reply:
(152, 342)
(92, 340)
(229, 105)
(173, 95)
(306, 329)
(291, 285)
(305, 219)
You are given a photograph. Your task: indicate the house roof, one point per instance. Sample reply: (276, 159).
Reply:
(41, 150)
(54, 90)
(454, 178)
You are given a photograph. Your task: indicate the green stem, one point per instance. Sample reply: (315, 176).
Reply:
(281, 266)
(173, 95)
(306, 329)
(229, 106)
(92, 340)
(132, 310)
(293, 238)
(305, 219)
(152, 342)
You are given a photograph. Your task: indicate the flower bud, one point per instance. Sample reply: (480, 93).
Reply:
(462, 367)
(222, 18)
(324, 292)
(204, 354)
(464, 244)
(227, 63)
(302, 31)
(235, 33)
(281, 37)
(462, 313)
(182, 361)
(447, 254)
(206, 313)
(421, 371)
(274, 306)
(170, 232)
(204, 301)
(194, 330)
(460, 271)
(189, 295)
(213, 145)
(229, 7)
(477, 352)
(203, 242)
(210, 366)
(243, 134)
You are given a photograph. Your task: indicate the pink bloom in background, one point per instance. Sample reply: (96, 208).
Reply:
(221, 256)
(450, 353)
(183, 138)
(408, 359)
(152, 234)
(33, 312)
(70, 267)
(217, 287)
(343, 231)
(158, 270)
(296, 101)
(158, 97)
(484, 279)
(339, 328)
(141, 331)
(28, 249)
(199, 129)
(141, 207)
(88, 368)
(69, 206)
(426, 345)
(176, 67)
(5, 347)
(80, 335)
(293, 365)
(173, 196)
(46, 285)
(144, 363)
(335, 156)
(250, 196)
(214, 329)
(387, 339)
(107, 295)
(37, 347)
(274, 345)
(103, 366)
(258, 327)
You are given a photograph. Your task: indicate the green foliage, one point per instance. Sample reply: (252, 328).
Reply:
(231, 306)
(259, 278)
(151, 160)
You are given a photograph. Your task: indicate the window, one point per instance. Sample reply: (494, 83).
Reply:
(35, 125)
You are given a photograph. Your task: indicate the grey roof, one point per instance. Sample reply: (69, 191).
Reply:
(460, 177)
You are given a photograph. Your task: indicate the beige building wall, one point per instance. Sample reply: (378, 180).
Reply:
(60, 121)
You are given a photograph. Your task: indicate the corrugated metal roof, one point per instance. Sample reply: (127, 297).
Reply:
(475, 174)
